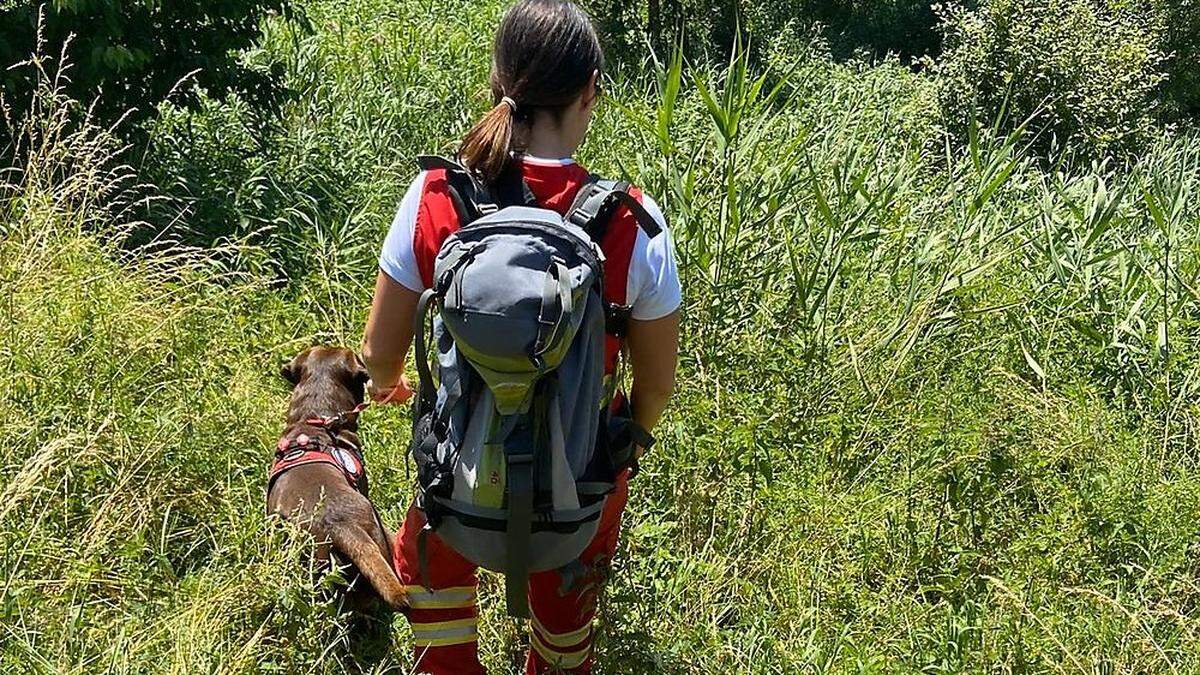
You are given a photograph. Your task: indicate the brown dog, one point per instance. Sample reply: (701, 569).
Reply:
(318, 480)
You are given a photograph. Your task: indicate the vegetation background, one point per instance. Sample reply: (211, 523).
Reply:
(939, 391)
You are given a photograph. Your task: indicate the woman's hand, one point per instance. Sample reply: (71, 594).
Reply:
(396, 394)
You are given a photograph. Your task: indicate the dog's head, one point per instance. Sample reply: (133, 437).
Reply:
(327, 365)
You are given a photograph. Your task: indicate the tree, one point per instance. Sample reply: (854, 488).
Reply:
(129, 55)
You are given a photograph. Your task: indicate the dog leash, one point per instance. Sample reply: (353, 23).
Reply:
(339, 419)
(342, 417)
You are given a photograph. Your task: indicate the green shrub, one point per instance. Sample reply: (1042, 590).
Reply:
(1083, 72)
(709, 27)
(873, 27)
(1181, 21)
(134, 53)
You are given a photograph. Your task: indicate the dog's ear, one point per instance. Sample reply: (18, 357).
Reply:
(293, 370)
(361, 376)
(288, 372)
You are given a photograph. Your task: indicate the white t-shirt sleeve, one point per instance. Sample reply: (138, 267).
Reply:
(397, 259)
(653, 288)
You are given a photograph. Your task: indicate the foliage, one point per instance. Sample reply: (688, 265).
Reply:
(1083, 73)
(131, 55)
(1181, 23)
(709, 28)
(276, 181)
(877, 28)
(937, 406)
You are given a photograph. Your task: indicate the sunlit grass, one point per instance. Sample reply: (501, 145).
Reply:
(937, 408)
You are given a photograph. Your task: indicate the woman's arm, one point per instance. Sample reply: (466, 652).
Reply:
(653, 354)
(388, 335)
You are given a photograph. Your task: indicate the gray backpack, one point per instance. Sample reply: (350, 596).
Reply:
(514, 441)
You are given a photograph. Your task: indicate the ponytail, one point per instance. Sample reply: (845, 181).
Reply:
(545, 53)
(487, 147)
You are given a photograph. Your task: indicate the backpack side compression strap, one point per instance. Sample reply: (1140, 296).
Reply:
(425, 387)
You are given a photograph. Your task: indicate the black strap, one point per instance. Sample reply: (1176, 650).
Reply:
(434, 162)
(512, 190)
(625, 437)
(519, 534)
(424, 376)
(616, 319)
(596, 202)
(471, 199)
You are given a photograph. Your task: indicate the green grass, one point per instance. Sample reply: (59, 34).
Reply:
(937, 409)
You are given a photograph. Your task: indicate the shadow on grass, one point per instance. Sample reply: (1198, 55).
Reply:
(627, 648)
(371, 638)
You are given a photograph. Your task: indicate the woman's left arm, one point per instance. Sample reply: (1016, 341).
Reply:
(653, 355)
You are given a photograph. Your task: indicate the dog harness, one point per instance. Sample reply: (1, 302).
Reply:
(337, 451)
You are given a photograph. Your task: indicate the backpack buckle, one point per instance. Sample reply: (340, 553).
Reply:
(579, 219)
(616, 319)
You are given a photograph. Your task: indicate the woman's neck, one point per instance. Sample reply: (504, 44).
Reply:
(550, 140)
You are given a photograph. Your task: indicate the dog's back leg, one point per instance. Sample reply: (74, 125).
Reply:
(356, 544)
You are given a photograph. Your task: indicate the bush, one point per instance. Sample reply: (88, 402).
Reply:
(1083, 72)
(874, 27)
(134, 52)
(1181, 19)
(709, 27)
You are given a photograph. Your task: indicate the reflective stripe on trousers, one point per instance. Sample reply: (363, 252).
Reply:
(444, 618)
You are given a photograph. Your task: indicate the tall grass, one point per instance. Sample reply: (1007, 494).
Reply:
(937, 408)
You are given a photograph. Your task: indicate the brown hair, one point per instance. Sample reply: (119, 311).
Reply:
(543, 56)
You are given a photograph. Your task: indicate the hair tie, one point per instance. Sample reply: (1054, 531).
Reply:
(512, 105)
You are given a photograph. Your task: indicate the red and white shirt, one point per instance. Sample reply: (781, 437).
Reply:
(639, 272)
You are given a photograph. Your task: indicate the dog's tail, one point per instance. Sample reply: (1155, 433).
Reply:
(357, 545)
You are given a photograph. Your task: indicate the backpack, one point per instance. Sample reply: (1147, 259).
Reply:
(515, 445)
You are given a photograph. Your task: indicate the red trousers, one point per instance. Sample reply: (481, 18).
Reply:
(444, 620)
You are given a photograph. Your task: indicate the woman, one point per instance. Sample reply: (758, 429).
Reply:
(546, 66)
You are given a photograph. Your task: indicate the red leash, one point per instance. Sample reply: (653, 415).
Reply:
(338, 419)
(341, 418)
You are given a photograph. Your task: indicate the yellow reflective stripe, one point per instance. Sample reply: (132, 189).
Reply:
(418, 627)
(442, 633)
(454, 597)
(560, 659)
(562, 639)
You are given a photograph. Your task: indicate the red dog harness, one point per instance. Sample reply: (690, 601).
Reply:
(337, 451)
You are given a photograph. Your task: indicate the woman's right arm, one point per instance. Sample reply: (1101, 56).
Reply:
(390, 326)
(388, 335)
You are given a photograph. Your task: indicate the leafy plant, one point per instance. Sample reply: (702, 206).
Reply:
(1084, 71)
(129, 56)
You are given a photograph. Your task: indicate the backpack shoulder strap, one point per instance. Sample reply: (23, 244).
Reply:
(599, 198)
(472, 200)
(512, 190)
